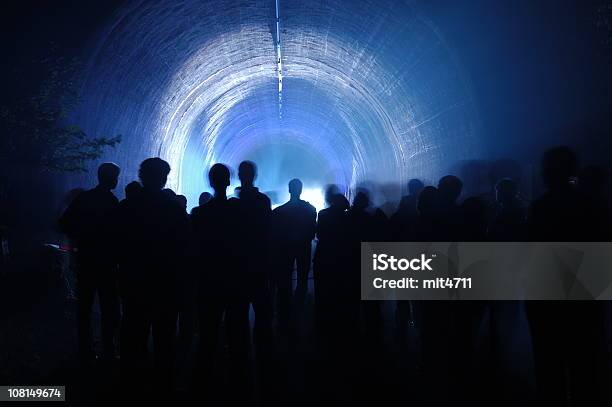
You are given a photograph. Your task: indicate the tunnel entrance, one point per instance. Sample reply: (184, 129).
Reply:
(373, 92)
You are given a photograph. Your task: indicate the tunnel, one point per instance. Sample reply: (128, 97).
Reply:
(343, 92)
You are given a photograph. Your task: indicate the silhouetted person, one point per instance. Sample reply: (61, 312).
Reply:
(436, 213)
(428, 222)
(222, 284)
(330, 257)
(424, 227)
(181, 200)
(565, 334)
(153, 232)
(87, 222)
(364, 224)
(468, 315)
(331, 300)
(254, 242)
(132, 189)
(449, 190)
(508, 224)
(294, 226)
(204, 198)
(405, 217)
(186, 285)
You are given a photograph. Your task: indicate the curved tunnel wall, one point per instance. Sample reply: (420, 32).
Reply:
(369, 89)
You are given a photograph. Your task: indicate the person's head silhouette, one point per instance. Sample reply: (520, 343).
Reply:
(415, 186)
(559, 165)
(219, 178)
(339, 201)
(132, 189)
(153, 173)
(182, 201)
(247, 172)
(330, 191)
(295, 188)
(449, 188)
(361, 200)
(204, 197)
(108, 175)
(506, 191)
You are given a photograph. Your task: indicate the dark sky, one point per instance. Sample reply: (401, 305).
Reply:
(535, 66)
(29, 27)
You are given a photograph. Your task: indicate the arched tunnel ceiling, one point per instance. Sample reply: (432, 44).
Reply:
(369, 87)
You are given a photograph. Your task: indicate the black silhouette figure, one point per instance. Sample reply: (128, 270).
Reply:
(428, 224)
(294, 226)
(255, 217)
(437, 220)
(222, 284)
(181, 200)
(132, 190)
(449, 190)
(330, 265)
(364, 224)
(565, 335)
(416, 217)
(87, 222)
(153, 231)
(468, 314)
(204, 197)
(186, 285)
(508, 224)
(404, 218)
(330, 258)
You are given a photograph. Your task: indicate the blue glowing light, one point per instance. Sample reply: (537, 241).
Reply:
(369, 91)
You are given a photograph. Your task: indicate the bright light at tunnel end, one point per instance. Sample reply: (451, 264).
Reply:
(315, 197)
(352, 97)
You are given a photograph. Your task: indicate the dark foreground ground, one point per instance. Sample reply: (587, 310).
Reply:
(38, 347)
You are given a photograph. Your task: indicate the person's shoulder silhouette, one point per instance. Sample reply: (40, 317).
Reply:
(360, 220)
(403, 221)
(216, 220)
(407, 205)
(153, 222)
(449, 190)
(132, 190)
(87, 218)
(299, 214)
(331, 223)
(248, 193)
(427, 226)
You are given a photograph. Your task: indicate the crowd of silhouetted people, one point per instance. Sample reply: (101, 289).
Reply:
(165, 276)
